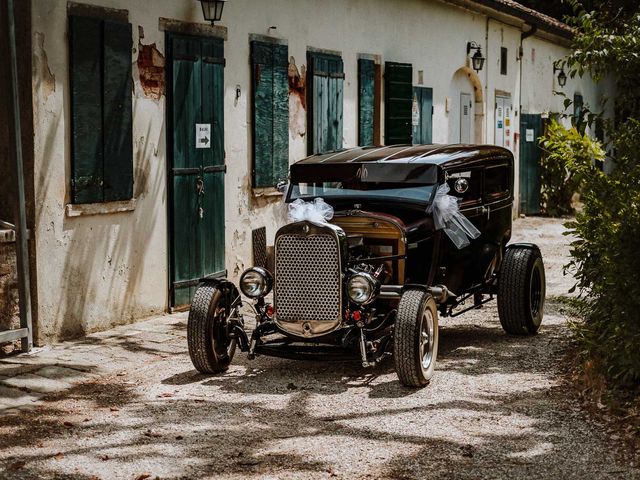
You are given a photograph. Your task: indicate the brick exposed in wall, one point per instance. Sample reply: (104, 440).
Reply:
(297, 99)
(151, 67)
(9, 314)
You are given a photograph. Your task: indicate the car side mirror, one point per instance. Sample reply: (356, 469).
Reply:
(281, 187)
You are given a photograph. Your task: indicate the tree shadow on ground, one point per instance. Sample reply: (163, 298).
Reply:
(264, 418)
(249, 439)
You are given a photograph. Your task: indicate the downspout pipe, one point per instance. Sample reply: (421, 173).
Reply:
(486, 82)
(22, 246)
(532, 31)
(523, 36)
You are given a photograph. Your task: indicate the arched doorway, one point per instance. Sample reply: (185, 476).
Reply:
(466, 107)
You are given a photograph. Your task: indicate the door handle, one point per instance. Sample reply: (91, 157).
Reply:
(200, 192)
(200, 186)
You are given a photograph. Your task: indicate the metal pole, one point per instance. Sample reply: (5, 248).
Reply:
(22, 246)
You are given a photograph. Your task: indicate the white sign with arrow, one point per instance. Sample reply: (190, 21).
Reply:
(203, 135)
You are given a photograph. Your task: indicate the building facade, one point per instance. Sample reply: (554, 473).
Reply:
(158, 140)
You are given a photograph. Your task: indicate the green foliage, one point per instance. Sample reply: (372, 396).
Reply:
(564, 148)
(606, 262)
(606, 252)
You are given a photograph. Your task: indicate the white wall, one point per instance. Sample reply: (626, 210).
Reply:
(539, 83)
(106, 269)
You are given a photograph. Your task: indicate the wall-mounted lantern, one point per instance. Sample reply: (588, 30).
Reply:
(477, 61)
(212, 10)
(562, 77)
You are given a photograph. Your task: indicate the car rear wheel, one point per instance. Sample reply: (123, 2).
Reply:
(210, 348)
(415, 340)
(521, 291)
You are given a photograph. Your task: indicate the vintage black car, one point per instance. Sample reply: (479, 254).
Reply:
(372, 280)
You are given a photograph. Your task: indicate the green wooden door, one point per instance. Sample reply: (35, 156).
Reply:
(398, 99)
(196, 170)
(422, 115)
(530, 154)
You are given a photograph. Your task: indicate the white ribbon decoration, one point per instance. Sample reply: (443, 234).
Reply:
(447, 217)
(317, 211)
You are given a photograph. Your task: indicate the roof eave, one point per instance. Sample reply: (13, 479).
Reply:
(516, 17)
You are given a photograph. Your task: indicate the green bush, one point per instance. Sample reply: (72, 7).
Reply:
(606, 259)
(606, 254)
(562, 148)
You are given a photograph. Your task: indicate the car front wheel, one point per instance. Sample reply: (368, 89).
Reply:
(210, 348)
(415, 340)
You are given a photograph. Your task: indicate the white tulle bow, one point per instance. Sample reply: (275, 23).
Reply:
(447, 217)
(317, 211)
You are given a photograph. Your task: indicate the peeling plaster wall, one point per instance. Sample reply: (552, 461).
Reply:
(103, 270)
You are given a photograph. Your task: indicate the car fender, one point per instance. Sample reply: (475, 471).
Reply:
(221, 283)
(529, 246)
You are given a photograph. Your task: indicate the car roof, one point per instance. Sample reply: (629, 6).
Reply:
(422, 154)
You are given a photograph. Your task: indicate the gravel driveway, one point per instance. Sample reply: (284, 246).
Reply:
(497, 408)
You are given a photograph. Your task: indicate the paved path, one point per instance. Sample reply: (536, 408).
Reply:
(127, 403)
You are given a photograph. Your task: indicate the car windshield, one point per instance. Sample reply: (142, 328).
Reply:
(363, 191)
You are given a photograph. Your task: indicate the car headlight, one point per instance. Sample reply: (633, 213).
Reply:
(256, 282)
(362, 288)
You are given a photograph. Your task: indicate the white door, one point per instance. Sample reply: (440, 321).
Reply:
(504, 128)
(465, 117)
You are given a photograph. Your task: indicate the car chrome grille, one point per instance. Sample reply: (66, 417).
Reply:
(307, 279)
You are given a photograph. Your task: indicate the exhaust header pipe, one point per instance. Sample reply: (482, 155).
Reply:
(441, 293)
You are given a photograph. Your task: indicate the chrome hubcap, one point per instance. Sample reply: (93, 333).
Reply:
(427, 339)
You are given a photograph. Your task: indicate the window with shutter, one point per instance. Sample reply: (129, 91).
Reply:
(504, 55)
(366, 101)
(270, 63)
(326, 94)
(101, 112)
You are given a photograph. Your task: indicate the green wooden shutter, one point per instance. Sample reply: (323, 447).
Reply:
(101, 112)
(270, 65)
(426, 127)
(398, 102)
(327, 98)
(366, 101)
(86, 109)
(280, 114)
(262, 60)
(423, 131)
(117, 115)
(336, 101)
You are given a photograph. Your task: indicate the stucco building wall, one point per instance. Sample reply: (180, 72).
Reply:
(101, 270)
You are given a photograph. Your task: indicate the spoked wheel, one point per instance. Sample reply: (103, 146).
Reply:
(415, 341)
(521, 291)
(210, 347)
